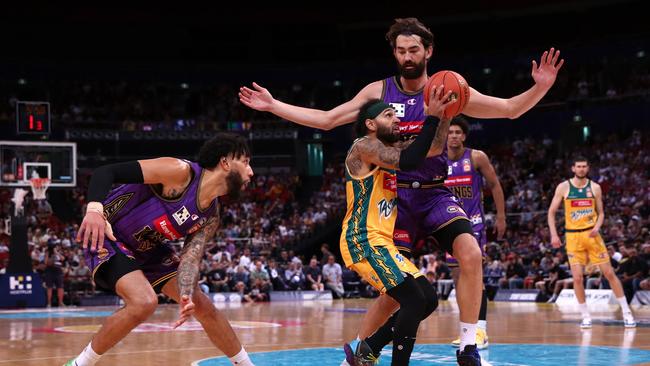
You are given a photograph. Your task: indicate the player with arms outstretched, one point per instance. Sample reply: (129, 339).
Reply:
(412, 45)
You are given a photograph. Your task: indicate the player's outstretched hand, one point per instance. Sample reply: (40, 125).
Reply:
(545, 74)
(186, 310)
(92, 230)
(438, 101)
(258, 98)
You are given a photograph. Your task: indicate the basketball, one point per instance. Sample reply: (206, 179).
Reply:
(452, 81)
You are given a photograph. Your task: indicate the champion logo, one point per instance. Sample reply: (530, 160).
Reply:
(411, 101)
(164, 226)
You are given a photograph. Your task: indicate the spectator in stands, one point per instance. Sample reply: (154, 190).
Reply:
(325, 254)
(294, 276)
(80, 277)
(259, 276)
(558, 279)
(276, 274)
(515, 273)
(314, 275)
(217, 277)
(535, 274)
(241, 275)
(631, 271)
(443, 277)
(333, 276)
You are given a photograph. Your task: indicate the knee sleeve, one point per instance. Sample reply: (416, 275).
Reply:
(430, 296)
(410, 297)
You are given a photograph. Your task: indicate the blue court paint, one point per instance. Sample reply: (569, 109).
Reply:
(443, 354)
(56, 314)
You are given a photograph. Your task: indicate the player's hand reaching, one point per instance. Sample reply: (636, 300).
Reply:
(593, 233)
(545, 74)
(258, 98)
(186, 310)
(555, 241)
(438, 101)
(93, 228)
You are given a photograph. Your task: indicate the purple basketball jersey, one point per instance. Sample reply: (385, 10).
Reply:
(409, 108)
(420, 212)
(467, 184)
(143, 223)
(142, 219)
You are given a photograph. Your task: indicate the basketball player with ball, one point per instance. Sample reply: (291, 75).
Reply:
(426, 207)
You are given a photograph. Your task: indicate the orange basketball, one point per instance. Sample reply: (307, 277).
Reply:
(452, 81)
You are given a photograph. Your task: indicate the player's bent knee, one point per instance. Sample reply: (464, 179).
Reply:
(143, 306)
(430, 296)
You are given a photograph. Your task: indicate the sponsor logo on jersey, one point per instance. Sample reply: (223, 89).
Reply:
(195, 217)
(401, 235)
(579, 214)
(386, 208)
(400, 109)
(458, 181)
(476, 219)
(407, 128)
(453, 209)
(181, 215)
(197, 226)
(467, 165)
(399, 257)
(164, 226)
(390, 182)
(581, 203)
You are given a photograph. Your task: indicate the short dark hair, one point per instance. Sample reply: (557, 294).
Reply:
(408, 27)
(580, 158)
(360, 128)
(221, 146)
(462, 123)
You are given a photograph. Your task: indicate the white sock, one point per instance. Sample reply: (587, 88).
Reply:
(88, 357)
(482, 324)
(467, 335)
(584, 310)
(624, 306)
(241, 359)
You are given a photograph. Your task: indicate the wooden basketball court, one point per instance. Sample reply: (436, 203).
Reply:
(39, 337)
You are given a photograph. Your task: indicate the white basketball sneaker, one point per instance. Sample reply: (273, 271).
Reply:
(628, 321)
(586, 323)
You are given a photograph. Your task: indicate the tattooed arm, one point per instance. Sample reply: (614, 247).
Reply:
(191, 255)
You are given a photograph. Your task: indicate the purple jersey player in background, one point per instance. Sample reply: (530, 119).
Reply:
(160, 200)
(412, 46)
(467, 168)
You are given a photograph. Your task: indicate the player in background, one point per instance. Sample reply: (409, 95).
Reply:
(584, 214)
(467, 169)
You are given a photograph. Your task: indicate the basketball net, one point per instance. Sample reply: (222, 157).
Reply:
(39, 187)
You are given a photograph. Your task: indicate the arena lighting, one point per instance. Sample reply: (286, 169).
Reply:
(22, 81)
(184, 86)
(640, 54)
(487, 70)
(577, 118)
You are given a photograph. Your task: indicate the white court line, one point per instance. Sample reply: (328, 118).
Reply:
(170, 350)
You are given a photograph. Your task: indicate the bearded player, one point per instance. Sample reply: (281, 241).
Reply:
(159, 200)
(412, 46)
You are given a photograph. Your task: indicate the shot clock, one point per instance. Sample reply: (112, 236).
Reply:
(33, 118)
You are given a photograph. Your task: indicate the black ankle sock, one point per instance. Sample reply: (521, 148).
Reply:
(382, 336)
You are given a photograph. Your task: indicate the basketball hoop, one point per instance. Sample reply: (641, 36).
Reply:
(39, 187)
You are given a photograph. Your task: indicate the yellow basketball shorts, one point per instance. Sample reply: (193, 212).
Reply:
(584, 250)
(385, 268)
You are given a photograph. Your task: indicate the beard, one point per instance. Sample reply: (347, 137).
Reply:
(386, 135)
(415, 72)
(235, 183)
(581, 176)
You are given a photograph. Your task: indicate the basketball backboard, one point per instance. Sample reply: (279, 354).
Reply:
(22, 160)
